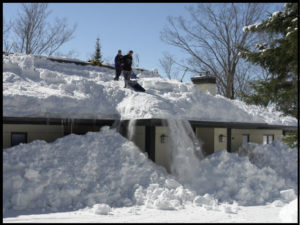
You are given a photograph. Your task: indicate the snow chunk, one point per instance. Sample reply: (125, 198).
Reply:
(288, 195)
(207, 200)
(289, 213)
(101, 209)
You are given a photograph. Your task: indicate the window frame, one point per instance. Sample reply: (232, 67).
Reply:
(268, 138)
(11, 138)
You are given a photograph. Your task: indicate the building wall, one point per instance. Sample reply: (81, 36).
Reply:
(139, 137)
(161, 149)
(206, 137)
(255, 135)
(211, 88)
(44, 132)
(217, 144)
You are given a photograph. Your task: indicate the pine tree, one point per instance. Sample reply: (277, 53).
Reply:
(280, 57)
(97, 55)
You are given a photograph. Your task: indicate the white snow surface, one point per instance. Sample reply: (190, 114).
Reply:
(289, 213)
(34, 86)
(101, 171)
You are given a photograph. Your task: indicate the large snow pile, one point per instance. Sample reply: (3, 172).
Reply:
(103, 170)
(228, 177)
(79, 171)
(277, 156)
(34, 86)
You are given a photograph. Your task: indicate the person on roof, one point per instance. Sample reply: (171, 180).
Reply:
(127, 60)
(118, 64)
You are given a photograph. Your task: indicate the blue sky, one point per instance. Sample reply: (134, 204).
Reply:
(123, 26)
(126, 26)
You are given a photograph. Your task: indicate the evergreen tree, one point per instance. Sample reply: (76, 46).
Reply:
(98, 56)
(280, 57)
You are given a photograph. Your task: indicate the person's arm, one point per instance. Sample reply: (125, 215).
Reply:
(116, 61)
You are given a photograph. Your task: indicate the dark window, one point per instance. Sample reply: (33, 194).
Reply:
(18, 137)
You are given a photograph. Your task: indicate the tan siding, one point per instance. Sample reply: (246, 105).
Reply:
(161, 149)
(48, 133)
(139, 137)
(217, 144)
(255, 135)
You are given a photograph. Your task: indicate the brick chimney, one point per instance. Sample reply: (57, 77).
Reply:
(205, 83)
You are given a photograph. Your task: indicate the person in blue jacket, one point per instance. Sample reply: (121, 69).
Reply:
(118, 64)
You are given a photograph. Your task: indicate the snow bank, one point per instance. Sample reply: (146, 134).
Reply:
(277, 156)
(92, 170)
(229, 178)
(79, 171)
(289, 213)
(34, 86)
(269, 172)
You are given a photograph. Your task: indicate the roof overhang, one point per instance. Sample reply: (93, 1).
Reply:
(204, 80)
(144, 122)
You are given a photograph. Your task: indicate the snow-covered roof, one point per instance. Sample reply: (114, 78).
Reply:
(34, 86)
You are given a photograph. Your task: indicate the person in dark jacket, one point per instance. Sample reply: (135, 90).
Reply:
(127, 60)
(118, 64)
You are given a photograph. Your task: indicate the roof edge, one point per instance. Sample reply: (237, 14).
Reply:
(145, 122)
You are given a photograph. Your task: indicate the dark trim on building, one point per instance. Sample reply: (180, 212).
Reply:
(216, 124)
(144, 122)
(69, 61)
(150, 142)
(82, 63)
(204, 80)
(229, 139)
(57, 121)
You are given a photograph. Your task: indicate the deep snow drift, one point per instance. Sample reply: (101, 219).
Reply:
(34, 86)
(78, 171)
(103, 169)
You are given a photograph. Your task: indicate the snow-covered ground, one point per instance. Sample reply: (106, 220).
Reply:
(34, 86)
(103, 177)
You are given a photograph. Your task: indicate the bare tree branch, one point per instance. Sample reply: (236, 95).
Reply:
(167, 63)
(211, 39)
(7, 44)
(34, 35)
